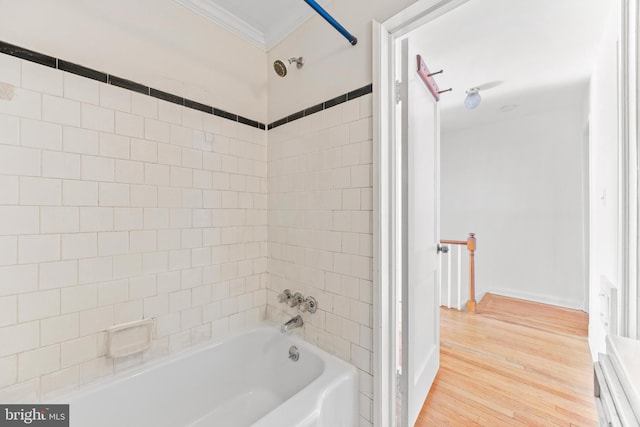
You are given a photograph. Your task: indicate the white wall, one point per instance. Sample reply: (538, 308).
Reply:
(604, 208)
(154, 42)
(116, 207)
(518, 185)
(332, 66)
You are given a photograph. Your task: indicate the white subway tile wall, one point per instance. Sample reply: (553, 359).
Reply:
(320, 231)
(115, 207)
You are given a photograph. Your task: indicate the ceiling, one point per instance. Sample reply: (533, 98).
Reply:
(530, 55)
(525, 55)
(261, 22)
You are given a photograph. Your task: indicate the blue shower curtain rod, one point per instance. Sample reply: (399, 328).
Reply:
(332, 21)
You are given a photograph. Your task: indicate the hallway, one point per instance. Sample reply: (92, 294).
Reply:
(515, 363)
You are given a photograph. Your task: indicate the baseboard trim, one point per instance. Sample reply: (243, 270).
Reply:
(573, 304)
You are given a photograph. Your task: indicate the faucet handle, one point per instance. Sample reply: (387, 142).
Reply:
(285, 296)
(310, 304)
(295, 300)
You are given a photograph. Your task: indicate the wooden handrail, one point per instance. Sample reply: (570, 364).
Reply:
(454, 242)
(470, 243)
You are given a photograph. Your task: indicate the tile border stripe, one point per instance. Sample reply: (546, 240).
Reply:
(79, 70)
(29, 55)
(128, 84)
(89, 73)
(174, 99)
(364, 90)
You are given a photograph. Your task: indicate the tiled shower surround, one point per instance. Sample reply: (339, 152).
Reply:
(117, 206)
(320, 230)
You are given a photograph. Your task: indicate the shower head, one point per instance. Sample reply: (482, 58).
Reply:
(281, 69)
(299, 62)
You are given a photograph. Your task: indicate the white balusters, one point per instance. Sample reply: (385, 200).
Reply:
(452, 291)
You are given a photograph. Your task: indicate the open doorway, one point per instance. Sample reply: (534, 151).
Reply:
(512, 166)
(528, 203)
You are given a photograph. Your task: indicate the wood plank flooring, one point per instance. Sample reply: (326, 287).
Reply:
(535, 315)
(514, 363)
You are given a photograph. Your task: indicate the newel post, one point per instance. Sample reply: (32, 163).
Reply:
(471, 247)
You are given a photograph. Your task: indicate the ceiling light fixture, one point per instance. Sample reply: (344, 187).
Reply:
(473, 98)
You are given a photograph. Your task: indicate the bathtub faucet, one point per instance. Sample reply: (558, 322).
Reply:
(295, 322)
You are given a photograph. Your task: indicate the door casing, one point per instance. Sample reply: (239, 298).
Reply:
(385, 35)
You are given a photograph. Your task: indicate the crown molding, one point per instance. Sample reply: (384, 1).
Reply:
(226, 20)
(288, 21)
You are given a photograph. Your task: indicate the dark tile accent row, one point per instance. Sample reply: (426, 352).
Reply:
(81, 71)
(92, 74)
(29, 55)
(128, 84)
(197, 106)
(89, 73)
(277, 123)
(250, 122)
(364, 90)
(166, 96)
(335, 101)
(225, 114)
(314, 109)
(295, 116)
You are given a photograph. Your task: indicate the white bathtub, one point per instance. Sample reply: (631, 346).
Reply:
(244, 380)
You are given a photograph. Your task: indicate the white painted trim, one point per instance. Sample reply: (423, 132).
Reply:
(634, 285)
(226, 20)
(230, 22)
(384, 37)
(586, 212)
(623, 175)
(574, 304)
(418, 14)
(635, 117)
(383, 412)
(632, 43)
(628, 172)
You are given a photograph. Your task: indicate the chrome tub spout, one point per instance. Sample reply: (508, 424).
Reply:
(295, 322)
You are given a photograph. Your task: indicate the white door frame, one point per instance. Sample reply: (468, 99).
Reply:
(634, 112)
(384, 37)
(628, 177)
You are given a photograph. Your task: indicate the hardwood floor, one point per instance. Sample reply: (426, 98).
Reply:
(535, 315)
(514, 363)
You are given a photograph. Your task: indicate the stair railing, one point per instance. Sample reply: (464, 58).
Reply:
(470, 244)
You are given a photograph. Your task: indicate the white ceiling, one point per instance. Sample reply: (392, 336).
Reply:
(536, 54)
(262, 22)
(526, 55)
